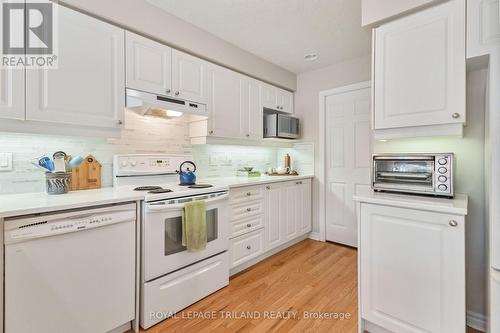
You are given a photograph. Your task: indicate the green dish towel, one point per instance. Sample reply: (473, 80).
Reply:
(194, 226)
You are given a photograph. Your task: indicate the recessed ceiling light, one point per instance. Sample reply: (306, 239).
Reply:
(310, 56)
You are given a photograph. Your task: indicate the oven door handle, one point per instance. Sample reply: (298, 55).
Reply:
(164, 206)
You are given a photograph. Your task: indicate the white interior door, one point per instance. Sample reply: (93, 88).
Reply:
(347, 160)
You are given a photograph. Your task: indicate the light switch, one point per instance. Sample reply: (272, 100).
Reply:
(5, 161)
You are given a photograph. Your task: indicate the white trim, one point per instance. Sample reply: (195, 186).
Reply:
(322, 173)
(477, 321)
(315, 236)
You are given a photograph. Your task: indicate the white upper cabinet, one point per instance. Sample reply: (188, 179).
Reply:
(419, 68)
(149, 65)
(189, 77)
(483, 26)
(88, 86)
(276, 99)
(251, 109)
(225, 111)
(12, 88)
(412, 265)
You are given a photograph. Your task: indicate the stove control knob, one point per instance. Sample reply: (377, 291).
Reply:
(442, 187)
(442, 161)
(124, 163)
(442, 179)
(442, 170)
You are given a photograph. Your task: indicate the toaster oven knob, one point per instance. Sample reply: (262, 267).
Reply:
(442, 187)
(442, 179)
(442, 170)
(442, 161)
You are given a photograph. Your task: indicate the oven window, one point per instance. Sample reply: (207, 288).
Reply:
(173, 232)
(406, 172)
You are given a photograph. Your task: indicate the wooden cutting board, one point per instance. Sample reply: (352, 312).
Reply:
(87, 175)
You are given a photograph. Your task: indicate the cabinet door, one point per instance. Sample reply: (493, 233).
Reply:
(269, 96)
(88, 86)
(251, 109)
(225, 103)
(305, 201)
(419, 68)
(294, 210)
(275, 214)
(149, 65)
(285, 100)
(412, 267)
(483, 26)
(189, 74)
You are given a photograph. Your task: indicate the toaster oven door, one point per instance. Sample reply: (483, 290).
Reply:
(406, 174)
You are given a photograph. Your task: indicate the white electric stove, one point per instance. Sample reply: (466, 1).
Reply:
(172, 277)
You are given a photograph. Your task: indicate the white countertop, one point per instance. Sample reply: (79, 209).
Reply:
(457, 205)
(41, 202)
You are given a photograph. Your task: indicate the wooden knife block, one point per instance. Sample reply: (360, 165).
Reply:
(87, 175)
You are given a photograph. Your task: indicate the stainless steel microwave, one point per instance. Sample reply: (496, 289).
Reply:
(430, 174)
(280, 126)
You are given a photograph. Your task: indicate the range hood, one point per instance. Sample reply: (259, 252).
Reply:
(162, 106)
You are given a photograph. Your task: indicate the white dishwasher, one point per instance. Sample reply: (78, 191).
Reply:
(72, 271)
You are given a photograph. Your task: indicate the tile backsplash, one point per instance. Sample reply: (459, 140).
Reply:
(142, 135)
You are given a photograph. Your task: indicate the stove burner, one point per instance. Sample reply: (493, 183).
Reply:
(147, 188)
(200, 186)
(160, 190)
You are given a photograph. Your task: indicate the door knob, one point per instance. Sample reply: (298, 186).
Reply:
(455, 115)
(453, 223)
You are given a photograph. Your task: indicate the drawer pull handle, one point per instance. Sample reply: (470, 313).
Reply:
(249, 209)
(453, 223)
(249, 225)
(249, 194)
(249, 247)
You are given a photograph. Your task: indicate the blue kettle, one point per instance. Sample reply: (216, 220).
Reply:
(186, 173)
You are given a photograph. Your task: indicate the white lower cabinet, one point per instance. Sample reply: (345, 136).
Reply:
(412, 270)
(266, 216)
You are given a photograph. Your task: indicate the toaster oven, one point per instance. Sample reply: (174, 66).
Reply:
(428, 174)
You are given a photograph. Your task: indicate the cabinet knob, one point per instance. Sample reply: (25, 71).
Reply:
(298, 183)
(177, 93)
(453, 223)
(268, 187)
(211, 132)
(249, 225)
(249, 194)
(168, 91)
(248, 135)
(248, 247)
(120, 122)
(249, 209)
(455, 115)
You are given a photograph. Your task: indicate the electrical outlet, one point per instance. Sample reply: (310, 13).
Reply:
(5, 161)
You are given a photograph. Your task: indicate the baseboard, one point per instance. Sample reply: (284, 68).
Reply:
(477, 321)
(315, 236)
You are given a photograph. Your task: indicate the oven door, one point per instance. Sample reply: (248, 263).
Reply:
(413, 174)
(162, 234)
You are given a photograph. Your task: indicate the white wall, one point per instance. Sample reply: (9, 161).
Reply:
(144, 18)
(378, 10)
(469, 178)
(309, 85)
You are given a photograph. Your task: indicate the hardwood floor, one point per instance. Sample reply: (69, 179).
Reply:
(306, 279)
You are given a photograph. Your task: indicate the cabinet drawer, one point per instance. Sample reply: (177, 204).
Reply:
(242, 227)
(245, 194)
(246, 210)
(246, 247)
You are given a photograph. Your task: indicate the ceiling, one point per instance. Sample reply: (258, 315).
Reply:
(281, 31)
